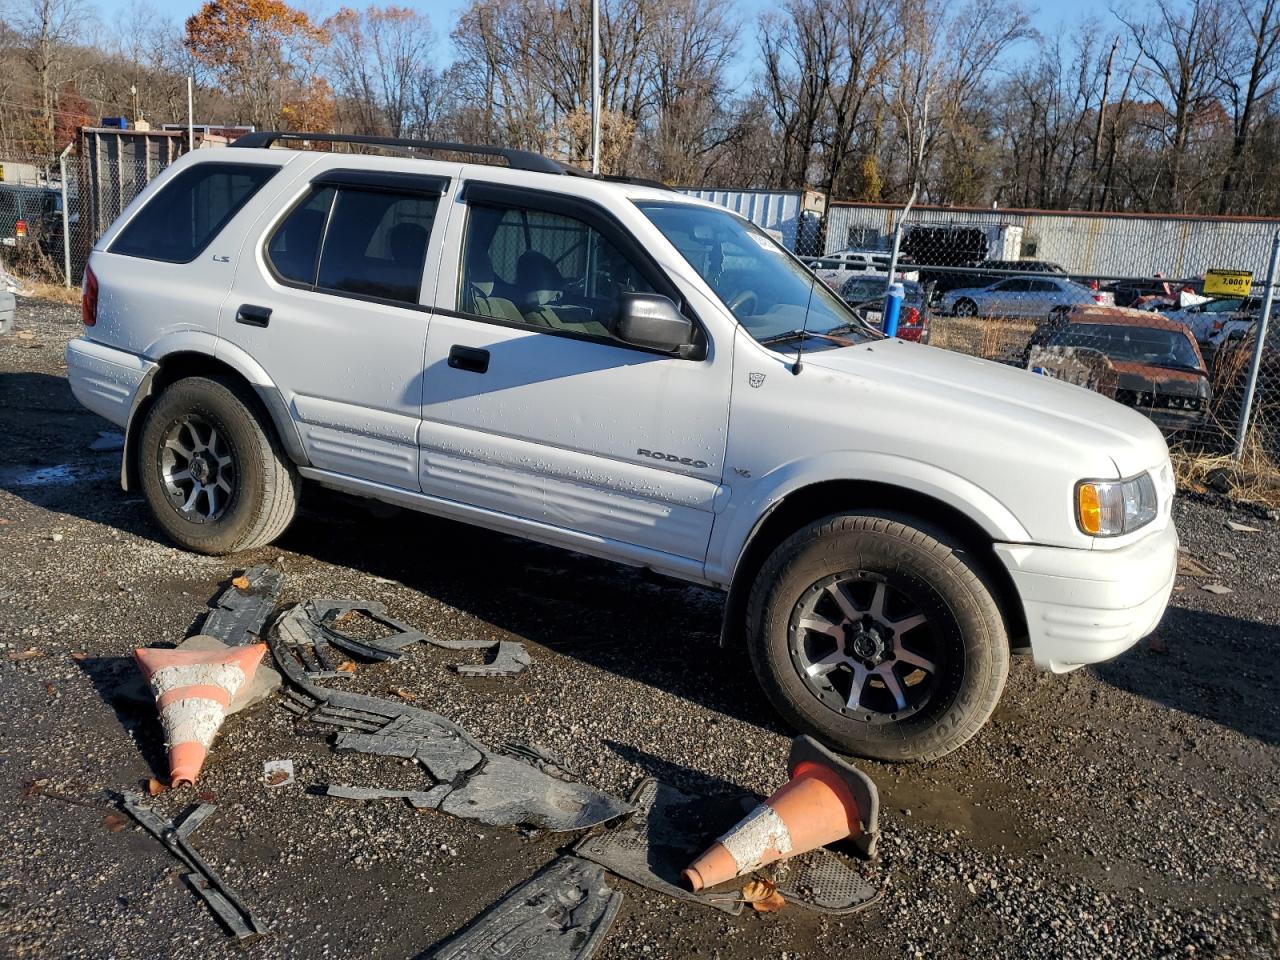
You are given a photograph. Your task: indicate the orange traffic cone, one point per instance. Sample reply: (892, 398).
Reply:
(193, 689)
(825, 800)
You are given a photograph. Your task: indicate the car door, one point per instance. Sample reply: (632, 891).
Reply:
(332, 303)
(1044, 296)
(532, 409)
(1004, 298)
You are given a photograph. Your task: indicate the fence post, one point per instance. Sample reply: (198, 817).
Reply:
(66, 216)
(1255, 365)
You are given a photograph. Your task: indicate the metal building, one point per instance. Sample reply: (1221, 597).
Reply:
(1103, 244)
(792, 216)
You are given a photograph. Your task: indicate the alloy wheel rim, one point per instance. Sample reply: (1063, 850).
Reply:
(197, 469)
(865, 647)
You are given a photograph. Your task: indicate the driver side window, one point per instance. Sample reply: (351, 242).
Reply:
(543, 270)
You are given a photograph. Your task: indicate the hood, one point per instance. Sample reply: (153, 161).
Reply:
(1015, 402)
(1159, 380)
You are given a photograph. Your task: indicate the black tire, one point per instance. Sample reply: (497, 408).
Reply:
(264, 486)
(963, 630)
(966, 308)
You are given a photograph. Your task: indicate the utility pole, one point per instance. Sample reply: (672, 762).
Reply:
(595, 86)
(191, 127)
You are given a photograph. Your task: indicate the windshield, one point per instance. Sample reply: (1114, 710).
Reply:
(1134, 344)
(769, 292)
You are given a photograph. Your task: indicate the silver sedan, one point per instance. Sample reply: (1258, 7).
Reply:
(1021, 297)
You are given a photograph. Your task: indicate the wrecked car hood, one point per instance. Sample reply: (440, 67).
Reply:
(1002, 399)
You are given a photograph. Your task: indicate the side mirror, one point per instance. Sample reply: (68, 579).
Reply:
(652, 320)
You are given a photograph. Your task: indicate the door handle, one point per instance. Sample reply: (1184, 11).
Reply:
(469, 358)
(253, 316)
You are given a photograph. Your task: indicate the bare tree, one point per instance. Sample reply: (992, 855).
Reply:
(376, 61)
(46, 31)
(1248, 75)
(1180, 46)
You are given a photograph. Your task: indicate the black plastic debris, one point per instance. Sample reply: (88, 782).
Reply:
(239, 615)
(667, 831)
(510, 660)
(311, 631)
(545, 759)
(562, 913)
(222, 900)
(820, 880)
(306, 643)
(479, 783)
(327, 614)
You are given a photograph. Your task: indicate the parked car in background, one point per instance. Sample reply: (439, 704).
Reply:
(1209, 321)
(1140, 359)
(982, 273)
(834, 268)
(8, 306)
(1039, 296)
(867, 295)
(1136, 292)
(31, 214)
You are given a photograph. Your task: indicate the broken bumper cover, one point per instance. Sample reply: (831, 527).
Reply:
(1086, 606)
(104, 379)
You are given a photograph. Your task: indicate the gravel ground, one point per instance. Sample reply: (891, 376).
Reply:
(1129, 810)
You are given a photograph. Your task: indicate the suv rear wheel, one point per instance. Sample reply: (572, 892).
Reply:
(212, 470)
(879, 635)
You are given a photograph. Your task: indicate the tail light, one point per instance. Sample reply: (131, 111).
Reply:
(89, 299)
(913, 316)
(1098, 298)
(20, 229)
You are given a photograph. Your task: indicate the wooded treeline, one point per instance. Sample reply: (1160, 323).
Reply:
(1170, 106)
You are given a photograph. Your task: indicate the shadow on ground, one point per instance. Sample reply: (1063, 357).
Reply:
(1217, 667)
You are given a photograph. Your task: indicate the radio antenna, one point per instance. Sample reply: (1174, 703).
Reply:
(804, 329)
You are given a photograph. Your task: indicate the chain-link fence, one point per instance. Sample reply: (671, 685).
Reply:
(53, 210)
(1180, 349)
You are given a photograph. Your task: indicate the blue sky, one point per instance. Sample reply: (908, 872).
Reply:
(443, 13)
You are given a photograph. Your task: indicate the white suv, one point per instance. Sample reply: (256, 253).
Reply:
(620, 370)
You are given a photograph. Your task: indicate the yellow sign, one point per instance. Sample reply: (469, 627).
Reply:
(1229, 283)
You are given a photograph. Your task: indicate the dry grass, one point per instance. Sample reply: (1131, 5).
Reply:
(1256, 478)
(998, 338)
(52, 291)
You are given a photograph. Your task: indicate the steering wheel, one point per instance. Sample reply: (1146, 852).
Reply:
(743, 297)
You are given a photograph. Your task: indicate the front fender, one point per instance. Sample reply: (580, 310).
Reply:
(751, 503)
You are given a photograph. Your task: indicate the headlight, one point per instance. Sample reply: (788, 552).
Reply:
(1109, 508)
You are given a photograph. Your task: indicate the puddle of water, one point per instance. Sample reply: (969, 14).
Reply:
(60, 475)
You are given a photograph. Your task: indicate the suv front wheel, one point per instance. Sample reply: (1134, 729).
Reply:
(212, 471)
(879, 635)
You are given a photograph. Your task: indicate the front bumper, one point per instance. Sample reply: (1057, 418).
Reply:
(104, 379)
(1085, 606)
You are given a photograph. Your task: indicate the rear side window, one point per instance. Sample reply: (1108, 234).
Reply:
(190, 210)
(376, 245)
(294, 250)
(351, 240)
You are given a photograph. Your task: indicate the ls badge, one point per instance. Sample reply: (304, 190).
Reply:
(755, 379)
